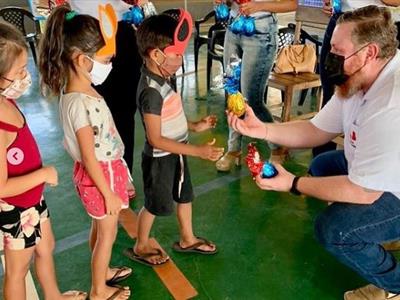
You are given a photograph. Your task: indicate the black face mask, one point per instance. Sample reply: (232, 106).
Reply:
(334, 67)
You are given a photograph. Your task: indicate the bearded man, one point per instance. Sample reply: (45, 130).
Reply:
(362, 181)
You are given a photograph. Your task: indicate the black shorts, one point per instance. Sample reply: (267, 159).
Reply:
(21, 227)
(164, 183)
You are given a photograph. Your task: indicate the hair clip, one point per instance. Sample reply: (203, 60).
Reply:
(70, 15)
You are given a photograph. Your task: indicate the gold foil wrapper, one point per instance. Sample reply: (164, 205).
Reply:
(236, 104)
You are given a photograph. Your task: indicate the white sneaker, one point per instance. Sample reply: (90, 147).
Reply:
(370, 292)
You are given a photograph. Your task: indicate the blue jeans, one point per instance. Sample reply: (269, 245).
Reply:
(353, 233)
(258, 55)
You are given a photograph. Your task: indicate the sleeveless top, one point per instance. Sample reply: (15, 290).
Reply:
(23, 157)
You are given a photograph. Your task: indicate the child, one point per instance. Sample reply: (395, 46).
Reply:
(76, 53)
(24, 217)
(162, 41)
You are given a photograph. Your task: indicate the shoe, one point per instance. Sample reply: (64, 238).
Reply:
(392, 246)
(195, 248)
(370, 292)
(118, 276)
(226, 162)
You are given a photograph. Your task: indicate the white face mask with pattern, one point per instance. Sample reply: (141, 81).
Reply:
(17, 87)
(99, 72)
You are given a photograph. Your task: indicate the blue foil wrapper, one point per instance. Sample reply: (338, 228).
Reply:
(222, 12)
(268, 170)
(134, 16)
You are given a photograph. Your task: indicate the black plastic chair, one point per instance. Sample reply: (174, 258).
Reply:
(215, 52)
(202, 39)
(17, 16)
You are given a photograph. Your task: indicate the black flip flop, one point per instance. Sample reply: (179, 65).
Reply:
(194, 248)
(142, 258)
(117, 276)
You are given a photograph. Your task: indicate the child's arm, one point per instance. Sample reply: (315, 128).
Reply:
(17, 185)
(204, 124)
(153, 131)
(85, 137)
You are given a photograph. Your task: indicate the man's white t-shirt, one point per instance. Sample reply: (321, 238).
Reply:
(90, 7)
(371, 124)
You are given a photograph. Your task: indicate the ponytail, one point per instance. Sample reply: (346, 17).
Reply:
(65, 33)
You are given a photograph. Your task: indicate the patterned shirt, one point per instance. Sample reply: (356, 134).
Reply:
(79, 110)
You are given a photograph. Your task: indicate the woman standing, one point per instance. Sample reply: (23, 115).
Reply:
(258, 55)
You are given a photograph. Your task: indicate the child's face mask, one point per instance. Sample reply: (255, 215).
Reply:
(99, 72)
(171, 63)
(17, 87)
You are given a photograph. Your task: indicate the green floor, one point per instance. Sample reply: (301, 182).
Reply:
(266, 242)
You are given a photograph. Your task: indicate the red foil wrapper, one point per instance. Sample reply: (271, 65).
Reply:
(253, 160)
(242, 1)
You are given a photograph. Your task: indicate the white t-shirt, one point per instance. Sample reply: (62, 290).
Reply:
(79, 110)
(371, 124)
(90, 7)
(350, 5)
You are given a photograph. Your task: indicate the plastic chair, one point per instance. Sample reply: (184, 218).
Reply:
(201, 39)
(215, 52)
(17, 16)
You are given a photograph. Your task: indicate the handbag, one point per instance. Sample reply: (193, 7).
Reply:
(300, 58)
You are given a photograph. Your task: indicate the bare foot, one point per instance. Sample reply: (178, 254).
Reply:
(115, 293)
(152, 255)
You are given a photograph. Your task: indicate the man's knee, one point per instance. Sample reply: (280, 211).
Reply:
(317, 166)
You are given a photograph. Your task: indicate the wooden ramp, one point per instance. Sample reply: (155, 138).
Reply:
(173, 279)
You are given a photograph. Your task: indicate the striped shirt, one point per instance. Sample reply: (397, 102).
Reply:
(156, 96)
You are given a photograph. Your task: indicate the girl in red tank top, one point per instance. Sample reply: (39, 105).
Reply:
(24, 217)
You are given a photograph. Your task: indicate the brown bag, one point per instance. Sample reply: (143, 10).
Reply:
(296, 59)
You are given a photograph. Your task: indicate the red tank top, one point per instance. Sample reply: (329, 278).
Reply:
(23, 157)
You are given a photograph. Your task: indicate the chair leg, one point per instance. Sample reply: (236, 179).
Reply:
(287, 105)
(209, 64)
(196, 54)
(33, 49)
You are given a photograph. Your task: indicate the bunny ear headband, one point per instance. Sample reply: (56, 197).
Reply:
(108, 25)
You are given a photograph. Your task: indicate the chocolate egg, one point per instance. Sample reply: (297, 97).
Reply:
(236, 104)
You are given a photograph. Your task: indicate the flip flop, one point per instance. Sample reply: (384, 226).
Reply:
(117, 276)
(142, 259)
(119, 291)
(78, 295)
(194, 248)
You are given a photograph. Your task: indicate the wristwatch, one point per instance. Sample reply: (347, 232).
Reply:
(294, 189)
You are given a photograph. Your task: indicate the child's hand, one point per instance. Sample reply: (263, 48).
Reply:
(51, 176)
(113, 204)
(208, 151)
(206, 123)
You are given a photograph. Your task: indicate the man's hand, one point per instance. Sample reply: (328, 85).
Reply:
(250, 125)
(281, 182)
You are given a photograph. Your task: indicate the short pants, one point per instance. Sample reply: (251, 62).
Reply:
(166, 179)
(91, 197)
(21, 227)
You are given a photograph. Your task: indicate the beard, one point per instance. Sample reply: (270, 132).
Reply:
(351, 87)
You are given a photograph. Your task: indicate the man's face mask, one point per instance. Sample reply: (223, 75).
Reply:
(334, 67)
(17, 87)
(170, 64)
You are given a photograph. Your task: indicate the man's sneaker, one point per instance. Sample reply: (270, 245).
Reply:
(370, 292)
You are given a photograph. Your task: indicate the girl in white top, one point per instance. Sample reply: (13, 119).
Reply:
(74, 55)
